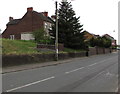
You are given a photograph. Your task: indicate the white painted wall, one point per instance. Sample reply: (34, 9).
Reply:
(27, 36)
(47, 26)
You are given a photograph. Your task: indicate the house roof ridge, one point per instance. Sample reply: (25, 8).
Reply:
(14, 21)
(48, 19)
(40, 14)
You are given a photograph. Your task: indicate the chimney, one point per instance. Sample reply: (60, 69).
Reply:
(10, 19)
(30, 9)
(45, 14)
(53, 17)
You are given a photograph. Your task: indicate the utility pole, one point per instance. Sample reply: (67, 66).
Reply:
(56, 41)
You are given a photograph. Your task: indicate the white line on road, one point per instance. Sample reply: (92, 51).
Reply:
(74, 70)
(96, 75)
(116, 90)
(93, 64)
(87, 66)
(30, 84)
(106, 60)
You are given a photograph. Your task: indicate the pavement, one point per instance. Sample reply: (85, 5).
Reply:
(92, 74)
(36, 65)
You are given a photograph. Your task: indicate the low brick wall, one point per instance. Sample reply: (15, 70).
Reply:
(92, 51)
(99, 50)
(108, 50)
(44, 46)
(13, 60)
(72, 55)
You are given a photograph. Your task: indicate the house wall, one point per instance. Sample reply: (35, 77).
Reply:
(114, 43)
(27, 36)
(47, 26)
(88, 36)
(29, 23)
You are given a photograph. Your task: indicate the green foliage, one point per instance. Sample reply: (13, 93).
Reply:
(69, 28)
(40, 37)
(18, 47)
(92, 42)
(101, 42)
(106, 42)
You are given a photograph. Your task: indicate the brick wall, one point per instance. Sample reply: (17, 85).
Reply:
(99, 50)
(30, 22)
(92, 51)
(44, 46)
(13, 60)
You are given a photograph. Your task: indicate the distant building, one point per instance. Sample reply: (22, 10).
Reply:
(111, 38)
(89, 36)
(22, 28)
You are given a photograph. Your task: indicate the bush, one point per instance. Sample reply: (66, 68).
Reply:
(100, 42)
(41, 37)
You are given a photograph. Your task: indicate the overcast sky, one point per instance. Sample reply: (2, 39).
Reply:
(97, 16)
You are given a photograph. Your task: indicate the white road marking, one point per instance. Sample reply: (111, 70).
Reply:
(92, 64)
(74, 70)
(30, 84)
(96, 75)
(109, 74)
(54, 77)
(106, 60)
(87, 66)
(116, 90)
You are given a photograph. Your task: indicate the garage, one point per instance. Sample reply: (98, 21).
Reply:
(27, 36)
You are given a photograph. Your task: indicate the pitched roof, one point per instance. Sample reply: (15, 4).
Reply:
(48, 19)
(16, 21)
(108, 36)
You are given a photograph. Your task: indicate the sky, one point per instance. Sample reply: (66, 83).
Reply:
(97, 16)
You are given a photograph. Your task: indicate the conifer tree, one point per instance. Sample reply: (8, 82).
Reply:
(69, 28)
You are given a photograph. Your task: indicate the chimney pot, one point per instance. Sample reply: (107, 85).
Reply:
(30, 9)
(45, 14)
(53, 17)
(10, 19)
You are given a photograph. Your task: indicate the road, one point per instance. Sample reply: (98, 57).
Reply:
(90, 74)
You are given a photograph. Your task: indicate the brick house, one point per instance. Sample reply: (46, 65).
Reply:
(89, 36)
(22, 28)
(111, 38)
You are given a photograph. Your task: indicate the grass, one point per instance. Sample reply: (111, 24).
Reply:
(18, 47)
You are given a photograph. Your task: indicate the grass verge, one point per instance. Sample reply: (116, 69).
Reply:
(19, 47)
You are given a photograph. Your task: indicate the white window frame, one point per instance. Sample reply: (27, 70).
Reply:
(12, 37)
(45, 25)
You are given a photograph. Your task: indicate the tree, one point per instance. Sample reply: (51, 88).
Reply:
(106, 42)
(40, 37)
(69, 32)
(92, 42)
(100, 42)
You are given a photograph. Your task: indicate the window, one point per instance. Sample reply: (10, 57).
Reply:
(45, 25)
(12, 37)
